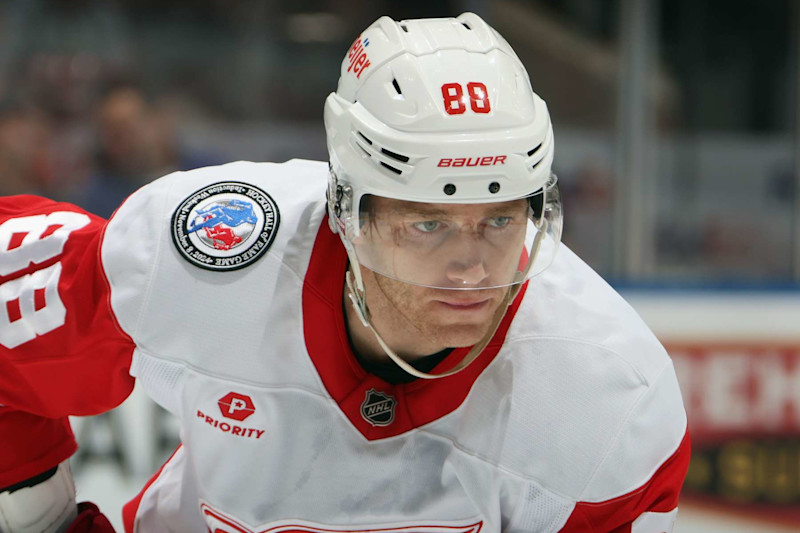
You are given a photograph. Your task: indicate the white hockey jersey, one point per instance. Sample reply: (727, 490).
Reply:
(220, 289)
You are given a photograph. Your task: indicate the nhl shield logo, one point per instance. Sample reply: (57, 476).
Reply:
(378, 408)
(225, 226)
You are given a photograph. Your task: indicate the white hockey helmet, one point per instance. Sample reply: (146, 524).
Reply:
(439, 111)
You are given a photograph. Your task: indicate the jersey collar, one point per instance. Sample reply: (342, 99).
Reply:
(377, 409)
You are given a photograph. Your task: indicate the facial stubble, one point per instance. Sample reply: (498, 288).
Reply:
(408, 310)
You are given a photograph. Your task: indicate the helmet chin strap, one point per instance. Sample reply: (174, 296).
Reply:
(357, 295)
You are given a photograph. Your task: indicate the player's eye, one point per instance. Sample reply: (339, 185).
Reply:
(427, 226)
(499, 222)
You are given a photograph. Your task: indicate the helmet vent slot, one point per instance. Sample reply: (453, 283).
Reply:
(401, 158)
(364, 137)
(390, 167)
(396, 86)
(365, 151)
(405, 28)
(466, 25)
(533, 150)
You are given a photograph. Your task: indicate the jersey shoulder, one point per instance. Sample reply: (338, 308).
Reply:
(219, 218)
(595, 407)
(198, 260)
(574, 305)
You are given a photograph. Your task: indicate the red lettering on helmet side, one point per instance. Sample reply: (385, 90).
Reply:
(485, 161)
(354, 47)
(357, 57)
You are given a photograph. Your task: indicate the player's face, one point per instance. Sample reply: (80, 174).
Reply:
(474, 249)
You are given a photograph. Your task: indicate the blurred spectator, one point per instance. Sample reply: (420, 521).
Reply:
(588, 195)
(25, 163)
(54, 54)
(136, 143)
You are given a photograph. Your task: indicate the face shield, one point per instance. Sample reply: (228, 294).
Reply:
(454, 246)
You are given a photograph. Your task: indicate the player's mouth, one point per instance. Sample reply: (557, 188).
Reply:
(464, 305)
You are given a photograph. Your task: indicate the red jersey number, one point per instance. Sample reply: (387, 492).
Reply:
(30, 304)
(455, 103)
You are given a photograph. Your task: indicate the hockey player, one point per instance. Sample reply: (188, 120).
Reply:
(408, 355)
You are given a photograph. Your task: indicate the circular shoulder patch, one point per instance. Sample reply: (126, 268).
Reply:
(225, 226)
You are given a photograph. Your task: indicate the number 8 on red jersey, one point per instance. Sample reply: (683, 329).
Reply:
(30, 304)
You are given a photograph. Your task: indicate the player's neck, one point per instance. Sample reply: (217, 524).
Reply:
(399, 335)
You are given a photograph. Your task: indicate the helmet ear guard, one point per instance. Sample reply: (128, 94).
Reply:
(536, 201)
(333, 199)
(547, 216)
(546, 198)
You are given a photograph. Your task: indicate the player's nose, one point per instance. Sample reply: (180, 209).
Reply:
(467, 275)
(467, 265)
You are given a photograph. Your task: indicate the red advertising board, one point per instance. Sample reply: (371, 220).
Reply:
(743, 405)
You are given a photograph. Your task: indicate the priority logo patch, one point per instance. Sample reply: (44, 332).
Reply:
(236, 406)
(225, 226)
(378, 408)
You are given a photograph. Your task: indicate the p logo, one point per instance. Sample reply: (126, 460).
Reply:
(236, 406)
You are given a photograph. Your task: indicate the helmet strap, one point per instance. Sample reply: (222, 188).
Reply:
(355, 289)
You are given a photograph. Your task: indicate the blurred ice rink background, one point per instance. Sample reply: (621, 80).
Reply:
(677, 126)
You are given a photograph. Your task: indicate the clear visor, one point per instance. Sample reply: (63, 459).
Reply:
(458, 246)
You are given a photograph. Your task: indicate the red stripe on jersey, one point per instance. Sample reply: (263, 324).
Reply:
(130, 509)
(419, 402)
(218, 518)
(659, 495)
